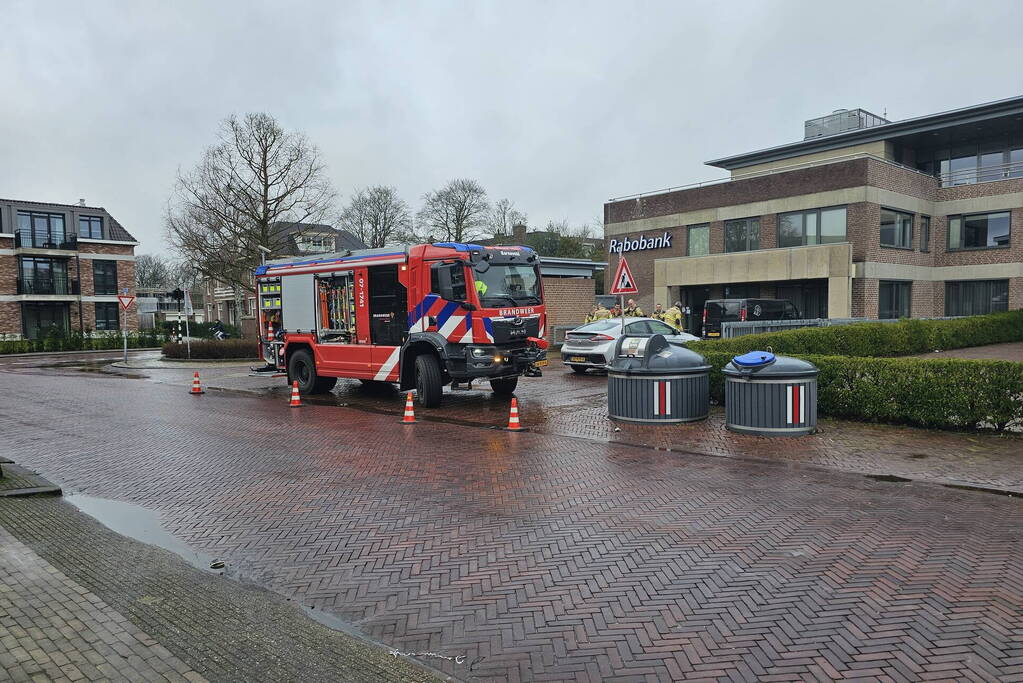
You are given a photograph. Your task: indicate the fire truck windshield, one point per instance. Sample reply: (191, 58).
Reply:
(502, 284)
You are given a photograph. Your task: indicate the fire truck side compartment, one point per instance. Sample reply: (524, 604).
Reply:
(298, 294)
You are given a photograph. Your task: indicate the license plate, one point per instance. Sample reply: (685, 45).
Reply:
(540, 363)
(577, 359)
(713, 334)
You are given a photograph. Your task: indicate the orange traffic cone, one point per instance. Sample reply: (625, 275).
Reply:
(410, 414)
(513, 417)
(196, 387)
(296, 402)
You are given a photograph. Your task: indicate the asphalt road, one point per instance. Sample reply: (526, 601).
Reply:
(538, 556)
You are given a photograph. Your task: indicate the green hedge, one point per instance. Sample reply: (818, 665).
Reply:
(906, 337)
(76, 341)
(927, 392)
(227, 349)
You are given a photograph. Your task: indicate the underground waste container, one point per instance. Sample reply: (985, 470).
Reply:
(653, 380)
(770, 395)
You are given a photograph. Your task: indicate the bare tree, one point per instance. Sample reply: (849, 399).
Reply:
(152, 271)
(377, 215)
(503, 216)
(254, 180)
(456, 213)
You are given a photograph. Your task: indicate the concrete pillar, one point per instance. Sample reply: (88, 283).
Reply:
(840, 297)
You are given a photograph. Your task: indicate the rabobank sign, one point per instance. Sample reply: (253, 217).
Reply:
(639, 243)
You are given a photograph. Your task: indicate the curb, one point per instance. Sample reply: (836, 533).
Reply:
(60, 353)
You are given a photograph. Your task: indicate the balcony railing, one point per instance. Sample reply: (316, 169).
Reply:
(982, 174)
(24, 240)
(52, 284)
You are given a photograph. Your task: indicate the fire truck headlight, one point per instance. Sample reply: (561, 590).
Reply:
(481, 352)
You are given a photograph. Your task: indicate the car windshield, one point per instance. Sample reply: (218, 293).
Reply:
(507, 284)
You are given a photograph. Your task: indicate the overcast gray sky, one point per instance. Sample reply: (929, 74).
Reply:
(555, 105)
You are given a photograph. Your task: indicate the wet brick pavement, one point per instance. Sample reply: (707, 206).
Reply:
(566, 404)
(545, 557)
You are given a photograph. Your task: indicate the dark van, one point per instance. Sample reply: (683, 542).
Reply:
(717, 311)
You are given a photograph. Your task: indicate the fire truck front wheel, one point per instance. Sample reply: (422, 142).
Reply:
(302, 369)
(429, 383)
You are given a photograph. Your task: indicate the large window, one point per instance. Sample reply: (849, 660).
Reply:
(976, 297)
(107, 316)
(43, 276)
(698, 242)
(816, 226)
(896, 229)
(90, 227)
(994, 158)
(104, 276)
(893, 300)
(925, 233)
(742, 235)
(978, 231)
(45, 230)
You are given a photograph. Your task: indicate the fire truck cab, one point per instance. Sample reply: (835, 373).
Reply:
(422, 317)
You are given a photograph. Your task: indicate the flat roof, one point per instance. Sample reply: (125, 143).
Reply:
(998, 109)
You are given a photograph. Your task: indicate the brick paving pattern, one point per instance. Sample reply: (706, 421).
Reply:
(543, 557)
(1012, 351)
(51, 628)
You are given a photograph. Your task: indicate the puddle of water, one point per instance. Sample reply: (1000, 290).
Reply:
(886, 477)
(139, 523)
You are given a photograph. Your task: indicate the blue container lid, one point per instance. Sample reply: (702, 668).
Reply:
(754, 359)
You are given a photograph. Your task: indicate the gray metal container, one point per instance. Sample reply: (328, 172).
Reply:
(770, 395)
(652, 380)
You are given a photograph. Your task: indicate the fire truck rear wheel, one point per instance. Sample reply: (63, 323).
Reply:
(504, 386)
(429, 383)
(302, 368)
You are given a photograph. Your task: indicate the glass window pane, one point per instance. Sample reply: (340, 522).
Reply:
(905, 235)
(955, 240)
(790, 230)
(735, 236)
(998, 229)
(991, 166)
(888, 219)
(1016, 163)
(810, 221)
(925, 233)
(833, 225)
(753, 227)
(963, 170)
(699, 241)
(975, 231)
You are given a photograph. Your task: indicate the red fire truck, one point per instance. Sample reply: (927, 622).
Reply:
(421, 317)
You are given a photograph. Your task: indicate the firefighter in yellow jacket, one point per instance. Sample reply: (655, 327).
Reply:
(632, 310)
(673, 316)
(601, 313)
(659, 313)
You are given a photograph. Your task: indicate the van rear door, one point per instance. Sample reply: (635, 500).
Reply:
(717, 312)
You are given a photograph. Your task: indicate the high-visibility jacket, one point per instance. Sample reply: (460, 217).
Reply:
(602, 314)
(660, 315)
(636, 312)
(673, 317)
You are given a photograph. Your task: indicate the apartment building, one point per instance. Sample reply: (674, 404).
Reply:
(62, 267)
(863, 217)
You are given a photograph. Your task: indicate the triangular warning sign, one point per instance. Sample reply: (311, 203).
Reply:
(623, 283)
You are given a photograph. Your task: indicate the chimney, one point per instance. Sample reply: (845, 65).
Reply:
(519, 232)
(81, 202)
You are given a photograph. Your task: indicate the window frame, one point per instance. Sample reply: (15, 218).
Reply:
(109, 305)
(818, 212)
(952, 284)
(908, 284)
(97, 280)
(962, 222)
(689, 238)
(747, 223)
(90, 219)
(897, 212)
(925, 233)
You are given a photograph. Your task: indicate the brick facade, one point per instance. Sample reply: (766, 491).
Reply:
(898, 188)
(568, 301)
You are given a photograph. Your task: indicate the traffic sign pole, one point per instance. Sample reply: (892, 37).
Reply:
(126, 301)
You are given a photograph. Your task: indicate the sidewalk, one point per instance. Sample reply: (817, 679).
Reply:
(80, 602)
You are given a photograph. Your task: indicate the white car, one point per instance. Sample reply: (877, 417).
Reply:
(593, 345)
